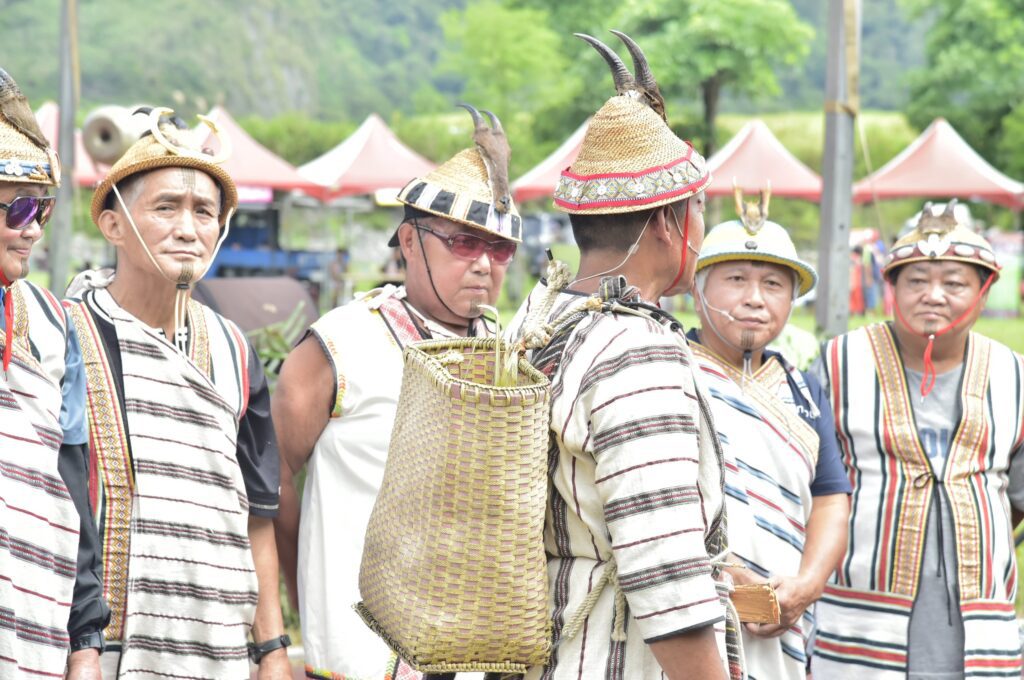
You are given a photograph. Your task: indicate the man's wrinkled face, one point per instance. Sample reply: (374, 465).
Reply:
(16, 244)
(176, 211)
(931, 295)
(463, 284)
(757, 295)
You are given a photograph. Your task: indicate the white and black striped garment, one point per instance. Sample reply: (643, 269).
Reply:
(637, 482)
(39, 525)
(169, 492)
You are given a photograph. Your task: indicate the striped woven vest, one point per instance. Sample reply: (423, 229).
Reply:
(38, 522)
(864, 617)
(169, 494)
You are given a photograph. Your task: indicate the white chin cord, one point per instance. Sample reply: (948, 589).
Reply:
(183, 282)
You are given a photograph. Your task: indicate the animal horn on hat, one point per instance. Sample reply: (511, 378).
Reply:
(155, 117)
(645, 81)
(14, 107)
(492, 144)
(752, 215)
(624, 80)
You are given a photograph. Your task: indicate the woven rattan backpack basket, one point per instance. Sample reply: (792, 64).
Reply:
(454, 575)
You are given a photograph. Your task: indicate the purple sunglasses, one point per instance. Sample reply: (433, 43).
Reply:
(23, 210)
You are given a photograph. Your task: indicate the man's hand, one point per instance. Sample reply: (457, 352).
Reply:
(275, 666)
(741, 576)
(84, 665)
(795, 595)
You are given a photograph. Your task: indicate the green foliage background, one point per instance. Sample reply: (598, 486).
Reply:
(300, 76)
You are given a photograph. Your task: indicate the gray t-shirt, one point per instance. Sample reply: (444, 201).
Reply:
(936, 644)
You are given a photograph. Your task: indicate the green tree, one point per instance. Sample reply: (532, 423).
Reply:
(711, 46)
(974, 75)
(508, 59)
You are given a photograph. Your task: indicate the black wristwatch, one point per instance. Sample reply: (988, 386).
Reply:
(89, 641)
(257, 652)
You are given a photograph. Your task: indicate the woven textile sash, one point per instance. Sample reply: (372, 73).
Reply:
(191, 590)
(38, 521)
(111, 482)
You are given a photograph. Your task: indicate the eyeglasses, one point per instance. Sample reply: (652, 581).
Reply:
(23, 210)
(470, 247)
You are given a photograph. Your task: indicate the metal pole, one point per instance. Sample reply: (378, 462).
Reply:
(832, 306)
(59, 233)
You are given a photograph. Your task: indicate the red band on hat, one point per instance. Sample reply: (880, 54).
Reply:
(630, 175)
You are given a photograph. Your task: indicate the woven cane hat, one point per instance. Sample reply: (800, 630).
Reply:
(25, 154)
(166, 146)
(472, 187)
(941, 237)
(754, 237)
(630, 159)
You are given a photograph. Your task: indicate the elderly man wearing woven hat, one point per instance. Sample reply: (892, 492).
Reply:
(51, 598)
(785, 484)
(336, 401)
(635, 517)
(930, 417)
(186, 464)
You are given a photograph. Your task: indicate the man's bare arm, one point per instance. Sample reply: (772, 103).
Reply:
(268, 623)
(692, 655)
(300, 407)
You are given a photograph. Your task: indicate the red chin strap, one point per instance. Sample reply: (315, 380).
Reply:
(8, 319)
(682, 259)
(928, 381)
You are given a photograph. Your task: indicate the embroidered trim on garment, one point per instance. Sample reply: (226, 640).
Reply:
(108, 450)
(683, 176)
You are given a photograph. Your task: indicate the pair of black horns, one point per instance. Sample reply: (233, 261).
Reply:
(478, 122)
(624, 80)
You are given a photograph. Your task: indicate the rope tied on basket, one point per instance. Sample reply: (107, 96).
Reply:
(608, 577)
(536, 333)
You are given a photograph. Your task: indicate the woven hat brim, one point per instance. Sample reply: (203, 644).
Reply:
(431, 198)
(805, 272)
(117, 174)
(621, 206)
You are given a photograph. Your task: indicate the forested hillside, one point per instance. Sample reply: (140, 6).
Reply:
(341, 59)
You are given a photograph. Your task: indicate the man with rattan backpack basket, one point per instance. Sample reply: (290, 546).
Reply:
(335, 405)
(635, 512)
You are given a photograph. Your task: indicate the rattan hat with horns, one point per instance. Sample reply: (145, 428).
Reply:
(941, 237)
(630, 159)
(25, 154)
(167, 146)
(472, 187)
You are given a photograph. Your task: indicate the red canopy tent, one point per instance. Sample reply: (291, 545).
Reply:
(540, 182)
(256, 170)
(86, 172)
(940, 164)
(754, 156)
(371, 159)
